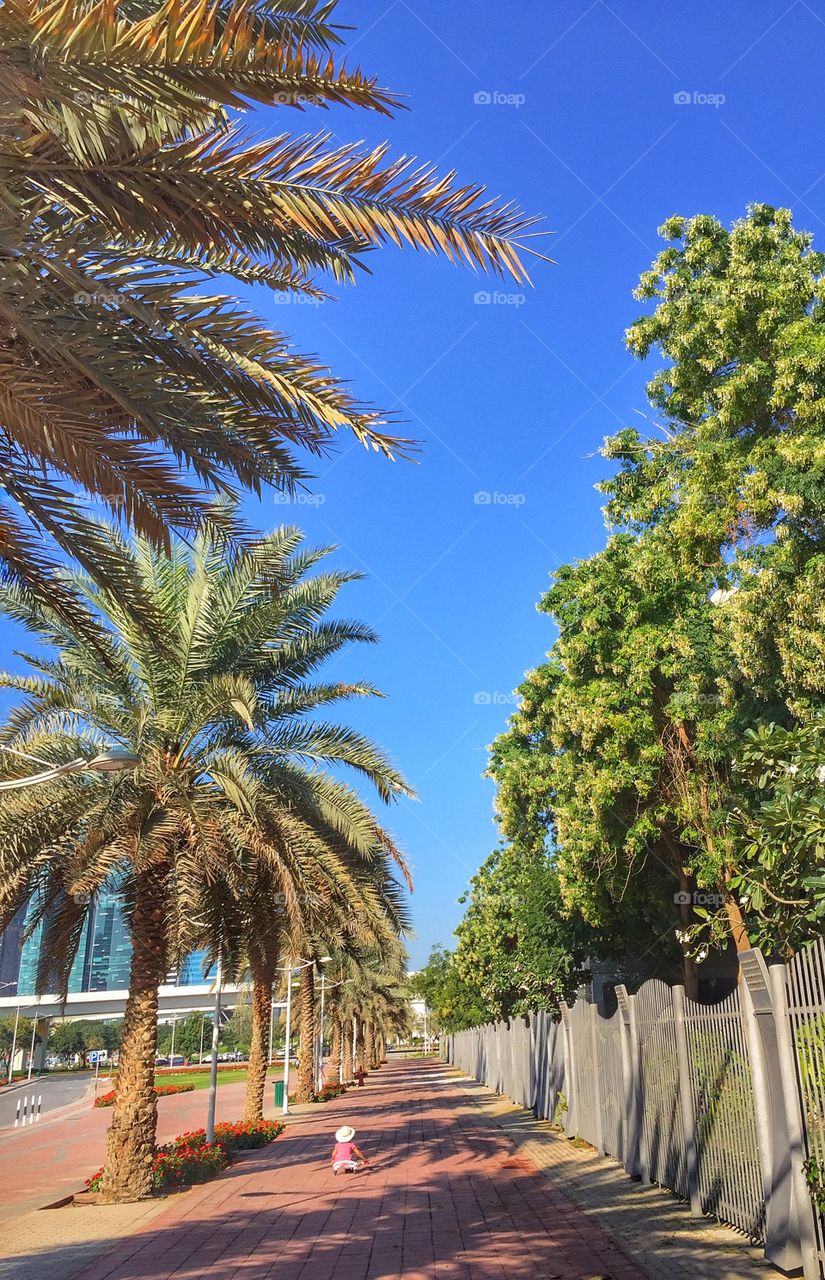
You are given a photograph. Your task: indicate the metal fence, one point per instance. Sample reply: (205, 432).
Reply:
(721, 1103)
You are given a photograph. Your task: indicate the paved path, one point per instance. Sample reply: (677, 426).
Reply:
(446, 1199)
(54, 1157)
(653, 1227)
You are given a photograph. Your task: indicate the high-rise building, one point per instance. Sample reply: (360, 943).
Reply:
(103, 957)
(11, 943)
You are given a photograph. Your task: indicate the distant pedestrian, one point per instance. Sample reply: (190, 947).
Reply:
(346, 1156)
(359, 1076)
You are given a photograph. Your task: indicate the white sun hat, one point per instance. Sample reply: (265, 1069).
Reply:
(345, 1134)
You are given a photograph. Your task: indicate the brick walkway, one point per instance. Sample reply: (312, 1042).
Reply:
(446, 1199)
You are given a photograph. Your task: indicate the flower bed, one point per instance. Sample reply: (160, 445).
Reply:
(326, 1094)
(161, 1091)
(329, 1092)
(189, 1158)
(160, 1069)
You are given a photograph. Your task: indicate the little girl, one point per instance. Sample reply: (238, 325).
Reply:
(344, 1151)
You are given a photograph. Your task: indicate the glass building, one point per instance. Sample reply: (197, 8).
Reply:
(103, 956)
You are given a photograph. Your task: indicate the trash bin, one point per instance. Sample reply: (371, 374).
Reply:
(279, 1093)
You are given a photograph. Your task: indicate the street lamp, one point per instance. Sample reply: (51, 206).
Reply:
(290, 970)
(116, 761)
(343, 982)
(319, 1076)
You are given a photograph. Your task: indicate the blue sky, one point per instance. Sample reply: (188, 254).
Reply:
(513, 397)
(578, 112)
(571, 109)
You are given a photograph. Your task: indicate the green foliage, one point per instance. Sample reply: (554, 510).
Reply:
(236, 1034)
(781, 835)
(24, 1037)
(518, 946)
(639, 752)
(452, 1002)
(81, 1035)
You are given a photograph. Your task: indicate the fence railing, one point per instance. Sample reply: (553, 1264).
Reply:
(721, 1103)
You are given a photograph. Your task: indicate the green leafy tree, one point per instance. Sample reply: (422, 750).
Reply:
(781, 838)
(452, 1001)
(701, 620)
(24, 1036)
(66, 1039)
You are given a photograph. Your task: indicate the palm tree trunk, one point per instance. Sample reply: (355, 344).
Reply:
(130, 1148)
(262, 974)
(369, 1047)
(346, 1026)
(334, 1066)
(359, 1047)
(306, 1070)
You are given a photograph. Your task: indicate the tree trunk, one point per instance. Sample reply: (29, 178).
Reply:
(130, 1147)
(359, 1046)
(346, 1048)
(262, 974)
(369, 1047)
(334, 1064)
(736, 921)
(306, 1070)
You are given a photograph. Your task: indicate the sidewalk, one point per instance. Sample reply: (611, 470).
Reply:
(653, 1227)
(446, 1199)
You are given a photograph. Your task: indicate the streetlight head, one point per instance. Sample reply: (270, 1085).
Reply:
(116, 761)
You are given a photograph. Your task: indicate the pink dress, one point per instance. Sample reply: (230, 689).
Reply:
(342, 1156)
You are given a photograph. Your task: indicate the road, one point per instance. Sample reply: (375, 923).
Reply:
(56, 1091)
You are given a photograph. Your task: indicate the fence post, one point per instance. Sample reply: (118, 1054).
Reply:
(782, 1245)
(762, 1096)
(569, 1071)
(803, 1210)
(630, 1110)
(597, 1081)
(686, 1101)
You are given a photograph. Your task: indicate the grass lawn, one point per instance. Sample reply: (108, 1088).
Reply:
(200, 1079)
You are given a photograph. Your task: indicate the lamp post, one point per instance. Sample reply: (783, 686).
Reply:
(342, 983)
(319, 1075)
(290, 970)
(116, 761)
(213, 1066)
(31, 1048)
(287, 1031)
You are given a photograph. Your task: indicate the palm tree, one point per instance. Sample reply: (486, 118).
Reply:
(128, 187)
(232, 766)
